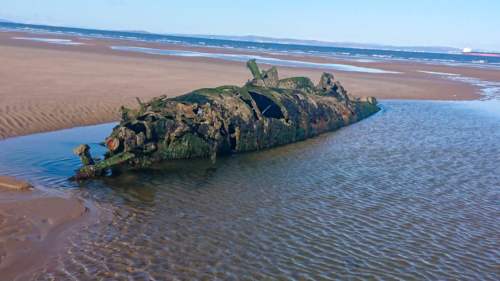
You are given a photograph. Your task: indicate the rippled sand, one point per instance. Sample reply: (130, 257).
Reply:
(45, 87)
(410, 194)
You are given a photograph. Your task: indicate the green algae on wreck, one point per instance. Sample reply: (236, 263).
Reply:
(264, 113)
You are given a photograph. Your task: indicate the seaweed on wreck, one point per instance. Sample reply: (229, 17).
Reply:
(263, 113)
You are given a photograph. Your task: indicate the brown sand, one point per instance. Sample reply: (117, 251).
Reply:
(32, 225)
(46, 87)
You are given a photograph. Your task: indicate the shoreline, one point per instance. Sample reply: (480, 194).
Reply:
(102, 46)
(67, 86)
(47, 87)
(312, 141)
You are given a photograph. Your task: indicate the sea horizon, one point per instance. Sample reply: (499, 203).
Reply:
(349, 53)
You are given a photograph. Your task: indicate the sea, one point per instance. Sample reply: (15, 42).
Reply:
(337, 52)
(411, 193)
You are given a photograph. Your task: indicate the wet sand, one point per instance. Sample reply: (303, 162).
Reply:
(46, 87)
(10, 183)
(32, 228)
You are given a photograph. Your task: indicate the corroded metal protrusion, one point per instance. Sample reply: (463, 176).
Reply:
(92, 169)
(265, 112)
(112, 144)
(254, 69)
(83, 151)
(326, 82)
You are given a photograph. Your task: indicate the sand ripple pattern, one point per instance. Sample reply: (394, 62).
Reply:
(26, 118)
(410, 194)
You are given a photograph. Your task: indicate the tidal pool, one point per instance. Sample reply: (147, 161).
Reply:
(411, 193)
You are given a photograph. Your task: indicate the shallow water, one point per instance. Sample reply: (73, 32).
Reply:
(411, 193)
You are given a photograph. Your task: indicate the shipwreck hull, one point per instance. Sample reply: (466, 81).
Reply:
(264, 113)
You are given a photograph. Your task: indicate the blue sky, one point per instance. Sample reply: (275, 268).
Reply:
(458, 23)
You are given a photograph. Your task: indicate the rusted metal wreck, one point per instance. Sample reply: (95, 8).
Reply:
(265, 112)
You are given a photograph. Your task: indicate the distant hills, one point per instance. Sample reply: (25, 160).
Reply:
(263, 39)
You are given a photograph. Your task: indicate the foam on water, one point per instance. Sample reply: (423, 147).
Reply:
(438, 73)
(244, 57)
(68, 42)
(490, 90)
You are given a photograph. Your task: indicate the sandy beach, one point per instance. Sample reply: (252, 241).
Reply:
(156, 141)
(46, 87)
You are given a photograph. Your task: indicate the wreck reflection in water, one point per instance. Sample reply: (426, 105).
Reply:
(410, 193)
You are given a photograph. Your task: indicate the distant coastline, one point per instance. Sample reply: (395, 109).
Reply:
(318, 43)
(265, 39)
(444, 55)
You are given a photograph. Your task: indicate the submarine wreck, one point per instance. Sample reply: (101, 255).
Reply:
(264, 113)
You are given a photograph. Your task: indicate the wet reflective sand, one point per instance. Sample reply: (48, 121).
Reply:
(411, 194)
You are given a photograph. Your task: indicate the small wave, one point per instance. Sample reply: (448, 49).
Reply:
(50, 40)
(364, 60)
(438, 73)
(382, 56)
(244, 57)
